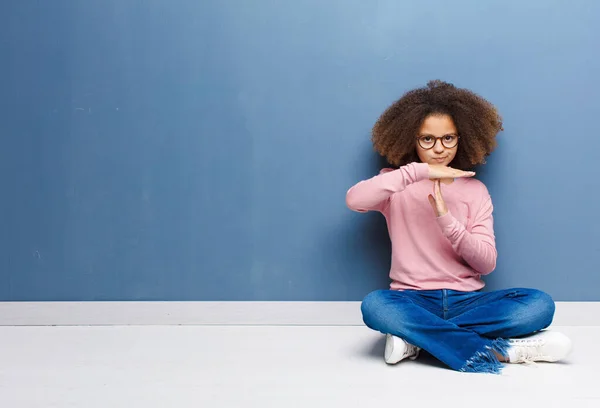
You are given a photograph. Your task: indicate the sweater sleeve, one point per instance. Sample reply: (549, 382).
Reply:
(477, 246)
(375, 193)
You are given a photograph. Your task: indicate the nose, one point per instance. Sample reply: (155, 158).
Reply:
(438, 147)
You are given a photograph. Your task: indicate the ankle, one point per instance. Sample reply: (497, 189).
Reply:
(501, 358)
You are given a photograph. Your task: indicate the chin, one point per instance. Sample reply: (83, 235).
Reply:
(444, 163)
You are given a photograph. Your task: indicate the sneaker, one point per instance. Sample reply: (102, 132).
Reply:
(546, 346)
(396, 350)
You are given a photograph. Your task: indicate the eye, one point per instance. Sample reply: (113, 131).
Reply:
(427, 139)
(449, 138)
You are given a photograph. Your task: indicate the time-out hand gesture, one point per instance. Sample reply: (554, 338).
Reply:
(437, 201)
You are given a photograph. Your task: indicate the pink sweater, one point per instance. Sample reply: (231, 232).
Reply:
(429, 252)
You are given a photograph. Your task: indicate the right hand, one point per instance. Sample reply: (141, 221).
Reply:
(438, 171)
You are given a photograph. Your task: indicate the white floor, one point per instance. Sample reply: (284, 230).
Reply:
(266, 366)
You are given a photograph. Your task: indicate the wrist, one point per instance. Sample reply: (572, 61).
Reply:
(445, 220)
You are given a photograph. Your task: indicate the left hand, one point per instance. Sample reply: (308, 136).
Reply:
(437, 201)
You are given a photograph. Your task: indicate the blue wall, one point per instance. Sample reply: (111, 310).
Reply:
(201, 150)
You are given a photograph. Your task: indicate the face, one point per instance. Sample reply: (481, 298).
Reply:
(435, 151)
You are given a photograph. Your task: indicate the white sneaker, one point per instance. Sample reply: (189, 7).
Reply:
(546, 346)
(396, 350)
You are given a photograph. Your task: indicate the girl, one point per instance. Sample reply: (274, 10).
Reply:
(440, 224)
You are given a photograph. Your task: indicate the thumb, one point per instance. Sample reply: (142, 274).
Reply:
(432, 202)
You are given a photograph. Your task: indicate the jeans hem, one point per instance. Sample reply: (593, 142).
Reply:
(485, 361)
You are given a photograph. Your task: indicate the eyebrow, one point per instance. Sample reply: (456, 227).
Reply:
(447, 134)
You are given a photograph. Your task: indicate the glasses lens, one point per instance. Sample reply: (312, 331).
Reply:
(450, 141)
(426, 142)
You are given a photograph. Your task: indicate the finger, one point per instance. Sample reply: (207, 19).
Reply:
(438, 190)
(432, 202)
(461, 173)
(439, 200)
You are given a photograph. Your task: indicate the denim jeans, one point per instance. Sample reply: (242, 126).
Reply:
(461, 329)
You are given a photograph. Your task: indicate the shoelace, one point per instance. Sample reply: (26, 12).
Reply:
(528, 350)
(525, 357)
(411, 351)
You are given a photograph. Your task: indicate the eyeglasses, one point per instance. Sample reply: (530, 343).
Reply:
(448, 141)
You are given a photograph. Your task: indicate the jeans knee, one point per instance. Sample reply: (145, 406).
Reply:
(545, 307)
(384, 311)
(538, 312)
(371, 307)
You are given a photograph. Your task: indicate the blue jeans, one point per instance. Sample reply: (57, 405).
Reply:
(461, 329)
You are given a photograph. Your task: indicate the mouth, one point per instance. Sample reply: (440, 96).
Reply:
(440, 159)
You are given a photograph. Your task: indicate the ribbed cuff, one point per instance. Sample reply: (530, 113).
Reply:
(446, 220)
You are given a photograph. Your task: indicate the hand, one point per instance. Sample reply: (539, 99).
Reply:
(438, 204)
(438, 171)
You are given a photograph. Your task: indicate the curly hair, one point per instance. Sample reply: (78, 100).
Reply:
(477, 122)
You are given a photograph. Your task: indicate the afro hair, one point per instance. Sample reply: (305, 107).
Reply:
(395, 133)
